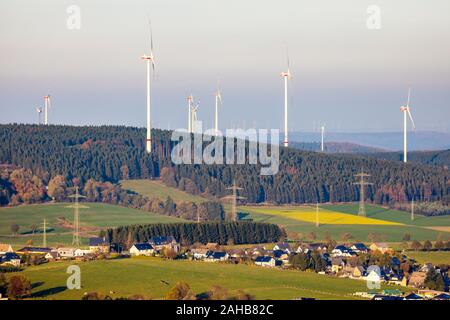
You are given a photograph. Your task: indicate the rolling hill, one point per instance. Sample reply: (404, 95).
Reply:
(95, 217)
(336, 220)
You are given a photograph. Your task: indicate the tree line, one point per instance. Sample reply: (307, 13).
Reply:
(241, 232)
(112, 153)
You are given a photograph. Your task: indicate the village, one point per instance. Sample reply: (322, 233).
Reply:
(376, 263)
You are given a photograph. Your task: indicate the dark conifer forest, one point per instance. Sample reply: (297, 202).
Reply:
(112, 153)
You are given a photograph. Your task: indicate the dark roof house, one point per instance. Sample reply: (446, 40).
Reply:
(161, 240)
(95, 242)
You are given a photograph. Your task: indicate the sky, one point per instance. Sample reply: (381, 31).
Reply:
(344, 74)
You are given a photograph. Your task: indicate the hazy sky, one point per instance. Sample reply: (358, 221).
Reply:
(345, 74)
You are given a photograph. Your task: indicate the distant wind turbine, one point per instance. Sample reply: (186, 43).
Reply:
(194, 118)
(46, 107)
(218, 99)
(286, 75)
(406, 112)
(149, 59)
(39, 112)
(190, 99)
(322, 146)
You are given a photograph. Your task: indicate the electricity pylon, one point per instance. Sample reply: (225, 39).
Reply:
(44, 238)
(234, 198)
(362, 194)
(76, 217)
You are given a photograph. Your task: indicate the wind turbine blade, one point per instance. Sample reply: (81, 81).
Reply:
(409, 96)
(219, 96)
(411, 118)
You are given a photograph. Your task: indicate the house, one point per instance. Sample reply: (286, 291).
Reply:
(142, 249)
(10, 258)
(337, 265)
(412, 296)
(200, 253)
(258, 251)
(417, 279)
(236, 253)
(342, 251)
(381, 247)
(359, 248)
(265, 261)
(426, 267)
(169, 242)
(302, 249)
(385, 297)
(66, 252)
(4, 248)
(373, 279)
(52, 255)
(81, 252)
(214, 256)
(283, 246)
(34, 250)
(318, 247)
(99, 245)
(358, 272)
(442, 296)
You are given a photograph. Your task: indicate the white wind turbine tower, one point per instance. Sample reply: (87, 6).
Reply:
(149, 59)
(322, 146)
(406, 112)
(39, 112)
(218, 99)
(286, 75)
(194, 118)
(189, 99)
(46, 107)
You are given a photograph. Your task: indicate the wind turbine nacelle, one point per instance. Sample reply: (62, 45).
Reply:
(403, 109)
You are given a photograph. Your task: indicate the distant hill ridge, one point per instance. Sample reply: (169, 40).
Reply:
(106, 153)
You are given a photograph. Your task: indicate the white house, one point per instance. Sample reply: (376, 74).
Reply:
(216, 256)
(200, 253)
(265, 261)
(52, 255)
(66, 252)
(342, 251)
(142, 249)
(81, 252)
(283, 246)
(10, 258)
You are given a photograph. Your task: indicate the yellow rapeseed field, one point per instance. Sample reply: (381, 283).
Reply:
(325, 216)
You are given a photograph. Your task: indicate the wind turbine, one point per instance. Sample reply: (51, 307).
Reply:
(406, 112)
(194, 118)
(218, 99)
(46, 107)
(322, 145)
(286, 75)
(39, 111)
(189, 99)
(149, 59)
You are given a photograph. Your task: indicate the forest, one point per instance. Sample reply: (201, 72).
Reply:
(108, 154)
(437, 158)
(241, 232)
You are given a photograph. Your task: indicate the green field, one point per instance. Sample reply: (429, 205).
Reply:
(418, 229)
(146, 275)
(156, 189)
(92, 219)
(436, 258)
